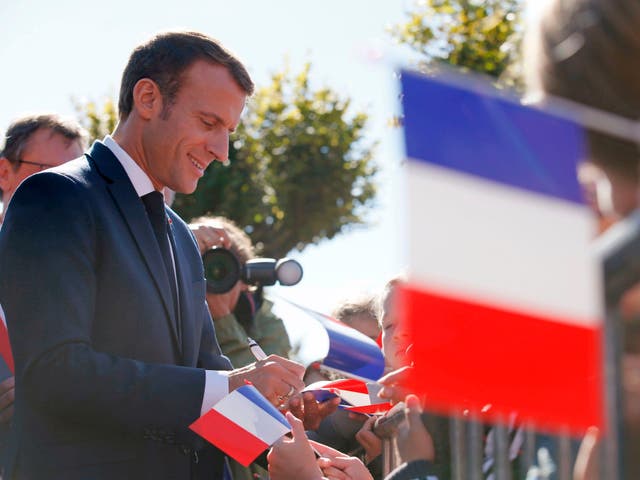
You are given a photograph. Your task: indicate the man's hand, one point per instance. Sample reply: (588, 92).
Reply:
(209, 236)
(413, 440)
(293, 458)
(310, 411)
(275, 377)
(7, 396)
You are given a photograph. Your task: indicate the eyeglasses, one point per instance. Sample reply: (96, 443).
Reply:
(41, 165)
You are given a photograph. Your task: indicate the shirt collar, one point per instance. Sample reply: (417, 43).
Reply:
(140, 180)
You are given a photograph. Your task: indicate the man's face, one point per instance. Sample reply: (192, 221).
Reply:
(44, 149)
(181, 143)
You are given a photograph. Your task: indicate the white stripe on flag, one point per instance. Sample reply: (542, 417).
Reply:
(354, 398)
(482, 240)
(250, 417)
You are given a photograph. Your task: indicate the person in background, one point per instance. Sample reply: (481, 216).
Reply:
(34, 143)
(339, 429)
(360, 313)
(31, 144)
(243, 311)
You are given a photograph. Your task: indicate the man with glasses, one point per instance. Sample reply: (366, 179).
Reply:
(34, 143)
(31, 144)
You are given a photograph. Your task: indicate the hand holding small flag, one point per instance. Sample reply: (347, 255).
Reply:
(243, 424)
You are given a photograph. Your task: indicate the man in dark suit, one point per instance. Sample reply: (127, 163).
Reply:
(115, 351)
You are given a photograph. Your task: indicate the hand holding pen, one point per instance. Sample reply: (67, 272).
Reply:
(275, 377)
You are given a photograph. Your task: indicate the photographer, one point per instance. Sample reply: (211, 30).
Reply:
(241, 312)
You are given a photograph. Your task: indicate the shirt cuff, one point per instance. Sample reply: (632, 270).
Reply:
(216, 386)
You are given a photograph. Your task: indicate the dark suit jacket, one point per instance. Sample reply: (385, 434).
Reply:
(105, 387)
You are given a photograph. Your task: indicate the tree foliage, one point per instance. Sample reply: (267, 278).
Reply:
(299, 170)
(98, 119)
(477, 35)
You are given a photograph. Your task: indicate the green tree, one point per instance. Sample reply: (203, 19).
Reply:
(300, 169)
(476, 35)
(97, 119)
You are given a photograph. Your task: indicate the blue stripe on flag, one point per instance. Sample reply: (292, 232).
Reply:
(259, 400)
(481, 134)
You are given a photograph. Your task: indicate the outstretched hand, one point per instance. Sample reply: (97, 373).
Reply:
(293, 458)
(394, 385)
(305, 407)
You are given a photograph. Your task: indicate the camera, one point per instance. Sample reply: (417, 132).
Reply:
(222, 270)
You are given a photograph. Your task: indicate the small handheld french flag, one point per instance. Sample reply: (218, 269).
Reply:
(356, 395)
(243, 424)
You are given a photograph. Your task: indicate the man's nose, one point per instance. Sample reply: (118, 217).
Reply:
(218, 146)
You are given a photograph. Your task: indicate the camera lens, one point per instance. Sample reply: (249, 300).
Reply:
(221, 269)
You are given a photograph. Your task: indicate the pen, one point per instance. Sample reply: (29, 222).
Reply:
(258, 353)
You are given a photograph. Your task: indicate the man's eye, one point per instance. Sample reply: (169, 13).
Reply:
(207, 123)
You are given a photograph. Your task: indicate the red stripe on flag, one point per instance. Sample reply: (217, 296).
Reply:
(351, 385)
(485, 359)
(5, 346)
(229, 437)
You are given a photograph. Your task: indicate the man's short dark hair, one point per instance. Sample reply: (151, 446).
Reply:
(20, 131)
(165, 58)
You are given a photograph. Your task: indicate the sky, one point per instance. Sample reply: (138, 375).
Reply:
(53, 53)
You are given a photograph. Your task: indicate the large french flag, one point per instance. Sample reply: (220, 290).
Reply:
(243, 424)
(504, 295)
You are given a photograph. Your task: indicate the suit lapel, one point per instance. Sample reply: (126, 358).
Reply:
(133, 212)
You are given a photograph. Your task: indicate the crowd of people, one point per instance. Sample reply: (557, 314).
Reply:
(118, 345)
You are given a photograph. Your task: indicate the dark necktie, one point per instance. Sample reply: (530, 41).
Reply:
(154, 204)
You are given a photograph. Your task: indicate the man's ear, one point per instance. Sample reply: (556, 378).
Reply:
(147, 99)
(6, 174)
